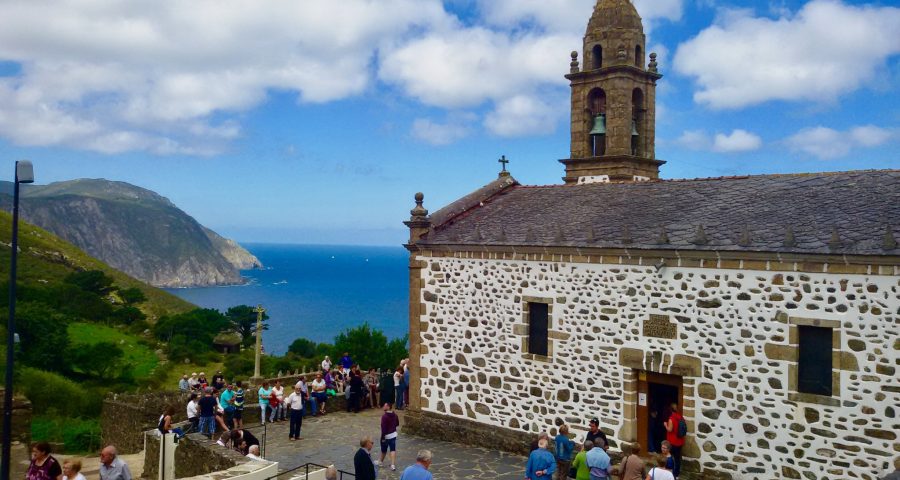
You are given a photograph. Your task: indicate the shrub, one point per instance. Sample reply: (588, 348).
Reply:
(77, 435)
(51, 393)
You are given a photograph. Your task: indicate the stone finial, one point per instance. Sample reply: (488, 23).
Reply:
(419, 212)
(476, 235)
(890, 242)
(835, 243)
(626, 235)
(653, 65)
(700, 237)
(663, 238)
(574, 67)
(529, 235)
(745, 240)
(789, 239)
(560, 236)
(591, 234)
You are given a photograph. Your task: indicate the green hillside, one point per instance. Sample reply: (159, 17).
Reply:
(46, 259)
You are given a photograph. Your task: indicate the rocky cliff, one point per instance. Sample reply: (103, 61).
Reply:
(134, 230)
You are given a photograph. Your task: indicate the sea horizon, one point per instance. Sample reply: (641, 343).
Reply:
(316, 291)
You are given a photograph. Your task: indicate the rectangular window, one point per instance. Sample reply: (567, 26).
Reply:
(538, 325)
(814, 369)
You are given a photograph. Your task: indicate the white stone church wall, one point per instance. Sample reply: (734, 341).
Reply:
(477, 370)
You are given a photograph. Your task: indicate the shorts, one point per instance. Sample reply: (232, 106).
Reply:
(390, 443)
(238, 413)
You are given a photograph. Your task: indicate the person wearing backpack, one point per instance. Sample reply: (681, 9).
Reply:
(660, 472)
(676, 430)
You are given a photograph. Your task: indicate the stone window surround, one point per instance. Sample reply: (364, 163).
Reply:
(521, 329)
(840, 361)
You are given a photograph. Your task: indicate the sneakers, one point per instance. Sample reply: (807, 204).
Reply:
(377, 463)
(220, 443)
(393, 468)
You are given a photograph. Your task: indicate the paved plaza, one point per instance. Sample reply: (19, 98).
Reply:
(334, 438)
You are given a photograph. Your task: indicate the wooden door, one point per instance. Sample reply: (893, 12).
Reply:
(646, 382)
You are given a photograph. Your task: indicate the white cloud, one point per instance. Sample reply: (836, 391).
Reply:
(115, 76)
(455, 128)
(827, 144)
(568, 15)
(521, 116)
(827, 49)
(737, 141)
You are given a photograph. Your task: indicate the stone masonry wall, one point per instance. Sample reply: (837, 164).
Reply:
(194, 455)
(21, 424)
(735, 347)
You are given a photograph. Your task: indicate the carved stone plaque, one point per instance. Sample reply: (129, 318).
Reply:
(659, 326)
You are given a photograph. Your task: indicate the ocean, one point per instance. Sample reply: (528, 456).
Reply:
(316, 291)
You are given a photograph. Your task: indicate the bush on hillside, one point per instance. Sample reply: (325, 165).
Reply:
(101, 360)
(200, 326)
(76, 435)
(370, 348)
(43, 335)
(93, 281)
(53, 394)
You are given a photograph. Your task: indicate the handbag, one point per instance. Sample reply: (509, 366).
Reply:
(573, 472)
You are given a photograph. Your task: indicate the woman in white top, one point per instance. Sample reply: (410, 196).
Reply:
(72, 470)
(659, 472)
(278, 413)
(326, 364)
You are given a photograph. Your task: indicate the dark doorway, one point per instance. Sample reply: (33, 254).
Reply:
(656, 392)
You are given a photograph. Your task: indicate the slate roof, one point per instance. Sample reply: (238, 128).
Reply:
(822, 213)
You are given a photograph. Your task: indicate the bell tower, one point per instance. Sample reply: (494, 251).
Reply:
(613, 100)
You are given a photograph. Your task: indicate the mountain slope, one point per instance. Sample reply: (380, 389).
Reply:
(134, 230)
(45, 258)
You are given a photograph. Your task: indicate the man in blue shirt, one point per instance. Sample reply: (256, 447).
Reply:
(419, 470)
(599, 463)
(541, 463)
(346, 362)
(564, 450)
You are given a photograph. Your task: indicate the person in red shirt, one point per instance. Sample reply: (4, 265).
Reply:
(673, 438)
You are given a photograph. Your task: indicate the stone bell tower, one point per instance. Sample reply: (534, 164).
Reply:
(613, 100)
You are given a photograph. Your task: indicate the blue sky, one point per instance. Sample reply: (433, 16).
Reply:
(316, 121)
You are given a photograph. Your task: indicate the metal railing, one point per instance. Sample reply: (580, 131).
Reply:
(305, 471)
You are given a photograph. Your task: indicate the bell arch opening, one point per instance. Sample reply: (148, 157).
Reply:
(637, 122)
(597, 56)
(597, 127)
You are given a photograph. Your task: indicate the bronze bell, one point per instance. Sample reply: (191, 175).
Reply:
(599, 125)
(634, 132)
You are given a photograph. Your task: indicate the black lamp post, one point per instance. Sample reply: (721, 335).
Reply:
(24, 174)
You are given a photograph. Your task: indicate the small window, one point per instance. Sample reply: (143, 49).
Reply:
(638, 57)
(538, 326)
(815, 364)
(598, 56)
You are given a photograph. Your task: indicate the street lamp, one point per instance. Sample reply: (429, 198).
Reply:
(24, 174)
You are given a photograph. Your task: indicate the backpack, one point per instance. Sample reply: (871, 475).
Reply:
(682, 428)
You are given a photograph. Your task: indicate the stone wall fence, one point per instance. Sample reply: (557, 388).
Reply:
(21, 411)
(196, 457)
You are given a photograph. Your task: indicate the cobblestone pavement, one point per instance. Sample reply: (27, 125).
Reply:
(334, 438)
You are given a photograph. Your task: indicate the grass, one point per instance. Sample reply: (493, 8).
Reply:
(141, 358)
(79, 436)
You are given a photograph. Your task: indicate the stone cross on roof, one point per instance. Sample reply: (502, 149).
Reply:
(503, 161)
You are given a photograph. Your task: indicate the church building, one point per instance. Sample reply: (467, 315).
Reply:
(767, 307)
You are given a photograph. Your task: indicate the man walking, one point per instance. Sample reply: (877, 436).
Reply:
(389, 423)
(111, 467)
(207, 406)
(419, 470)
(362, 461)
(294, 402)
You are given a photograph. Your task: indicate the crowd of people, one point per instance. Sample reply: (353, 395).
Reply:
(44, 466)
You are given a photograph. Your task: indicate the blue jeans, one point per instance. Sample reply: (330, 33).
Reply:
(398, 397)
(313, 405)
(208, 425)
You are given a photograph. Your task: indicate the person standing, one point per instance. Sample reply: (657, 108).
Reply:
(599, 463)
(356, 391)
(632, 467)
(346, 363)
(398, 387)
(363, 466)
(594, 433)
(72, 470)
(226, 401)
(565, 447)
(660, 472)
(238, 402)
(207, 406)
(326, 364)
(111, 467)
(295, 403)
(406, 381)
(278, 411)
(264, 393)
(43, 466)
(541, 463)
(419, 470)
(675, 437)
(371, 388)
(389, 423)
(583, 472)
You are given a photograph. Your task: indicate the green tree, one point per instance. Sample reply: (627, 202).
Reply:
(198, 326)
(132, 296)
(44, 336)
(243, 321)
(93, 281)
(101, 360)
(370, 348)
(303, 348)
